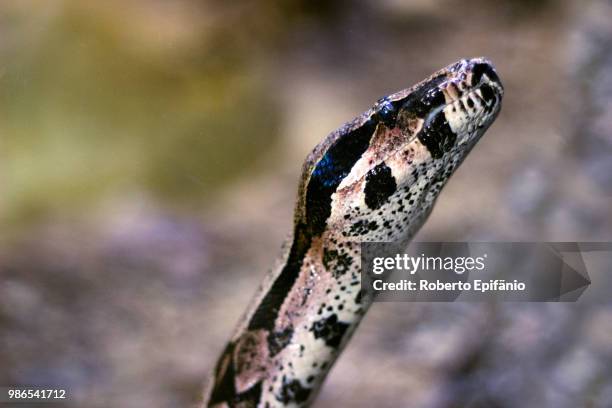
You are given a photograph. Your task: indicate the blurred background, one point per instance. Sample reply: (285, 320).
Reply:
(149, 157)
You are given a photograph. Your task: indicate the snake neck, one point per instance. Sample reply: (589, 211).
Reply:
(374, 179)
(305, 315)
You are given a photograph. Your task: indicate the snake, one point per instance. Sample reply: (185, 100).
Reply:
(375, 179)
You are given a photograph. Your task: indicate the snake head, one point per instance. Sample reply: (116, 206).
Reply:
(377, 177)
(446, 109)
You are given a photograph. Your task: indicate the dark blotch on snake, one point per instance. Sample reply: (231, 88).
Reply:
(330, 330)
(488, 94)
(279, 340)
(437, 136)
(337, 262)
(380, 185)
(266, 313)
(224, 389)
(362, 227)
(293, 391)
(329, 172)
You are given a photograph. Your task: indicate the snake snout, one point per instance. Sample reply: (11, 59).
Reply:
(481, 68)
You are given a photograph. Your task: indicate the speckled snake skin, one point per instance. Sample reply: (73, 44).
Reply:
(374, 179)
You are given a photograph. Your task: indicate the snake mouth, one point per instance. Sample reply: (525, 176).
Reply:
(471, 86)
(468, 82)
(481, 69)
(481, 74)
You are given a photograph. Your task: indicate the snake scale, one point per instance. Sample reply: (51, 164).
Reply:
(374, 179)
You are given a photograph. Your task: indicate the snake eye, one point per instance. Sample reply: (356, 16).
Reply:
(386, 112)
(423, 100)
